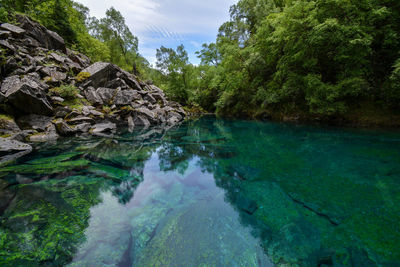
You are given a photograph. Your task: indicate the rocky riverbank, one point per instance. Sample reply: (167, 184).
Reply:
(48, 90)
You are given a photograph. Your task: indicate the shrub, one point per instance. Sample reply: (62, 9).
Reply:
(3, 15)
(82, 76)
(68, 92)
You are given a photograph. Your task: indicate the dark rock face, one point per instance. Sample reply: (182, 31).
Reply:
(35, 122)
(96, 98)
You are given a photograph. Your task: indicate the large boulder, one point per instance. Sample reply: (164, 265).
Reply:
(6, 44)
(100, 74)
(62, 112)
(45, 37)
(149, 98)
(108, 75)
(117, 83)
(15, 30)
(83, 127)
(51, 74)
(26, 95)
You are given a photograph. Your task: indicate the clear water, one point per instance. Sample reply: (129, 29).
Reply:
(208, 193)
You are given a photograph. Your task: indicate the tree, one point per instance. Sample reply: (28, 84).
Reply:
(116, 34)
(174, 65)
(209, 55)
(61, 24)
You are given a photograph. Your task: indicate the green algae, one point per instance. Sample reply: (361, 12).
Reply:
(47, 168)
(45, 223)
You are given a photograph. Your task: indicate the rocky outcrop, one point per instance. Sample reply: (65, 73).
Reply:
(41, 36)
(51, 90)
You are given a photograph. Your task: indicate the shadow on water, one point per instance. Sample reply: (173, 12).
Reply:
(209, 192)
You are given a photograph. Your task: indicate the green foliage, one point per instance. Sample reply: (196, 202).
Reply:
(68, 92)
(175, 69)
(312, 57)
(3, 14)
(392, 93)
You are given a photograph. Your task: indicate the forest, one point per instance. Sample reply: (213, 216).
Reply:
(303, 59)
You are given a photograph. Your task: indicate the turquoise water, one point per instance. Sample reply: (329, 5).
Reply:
(207, 193)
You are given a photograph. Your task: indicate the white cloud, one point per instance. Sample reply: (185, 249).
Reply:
(168, 22)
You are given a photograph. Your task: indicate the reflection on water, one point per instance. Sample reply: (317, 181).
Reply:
(208, 193)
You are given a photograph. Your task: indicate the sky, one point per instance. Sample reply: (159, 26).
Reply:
(168, 22)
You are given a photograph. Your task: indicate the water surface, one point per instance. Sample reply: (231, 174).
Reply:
(207, 193)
